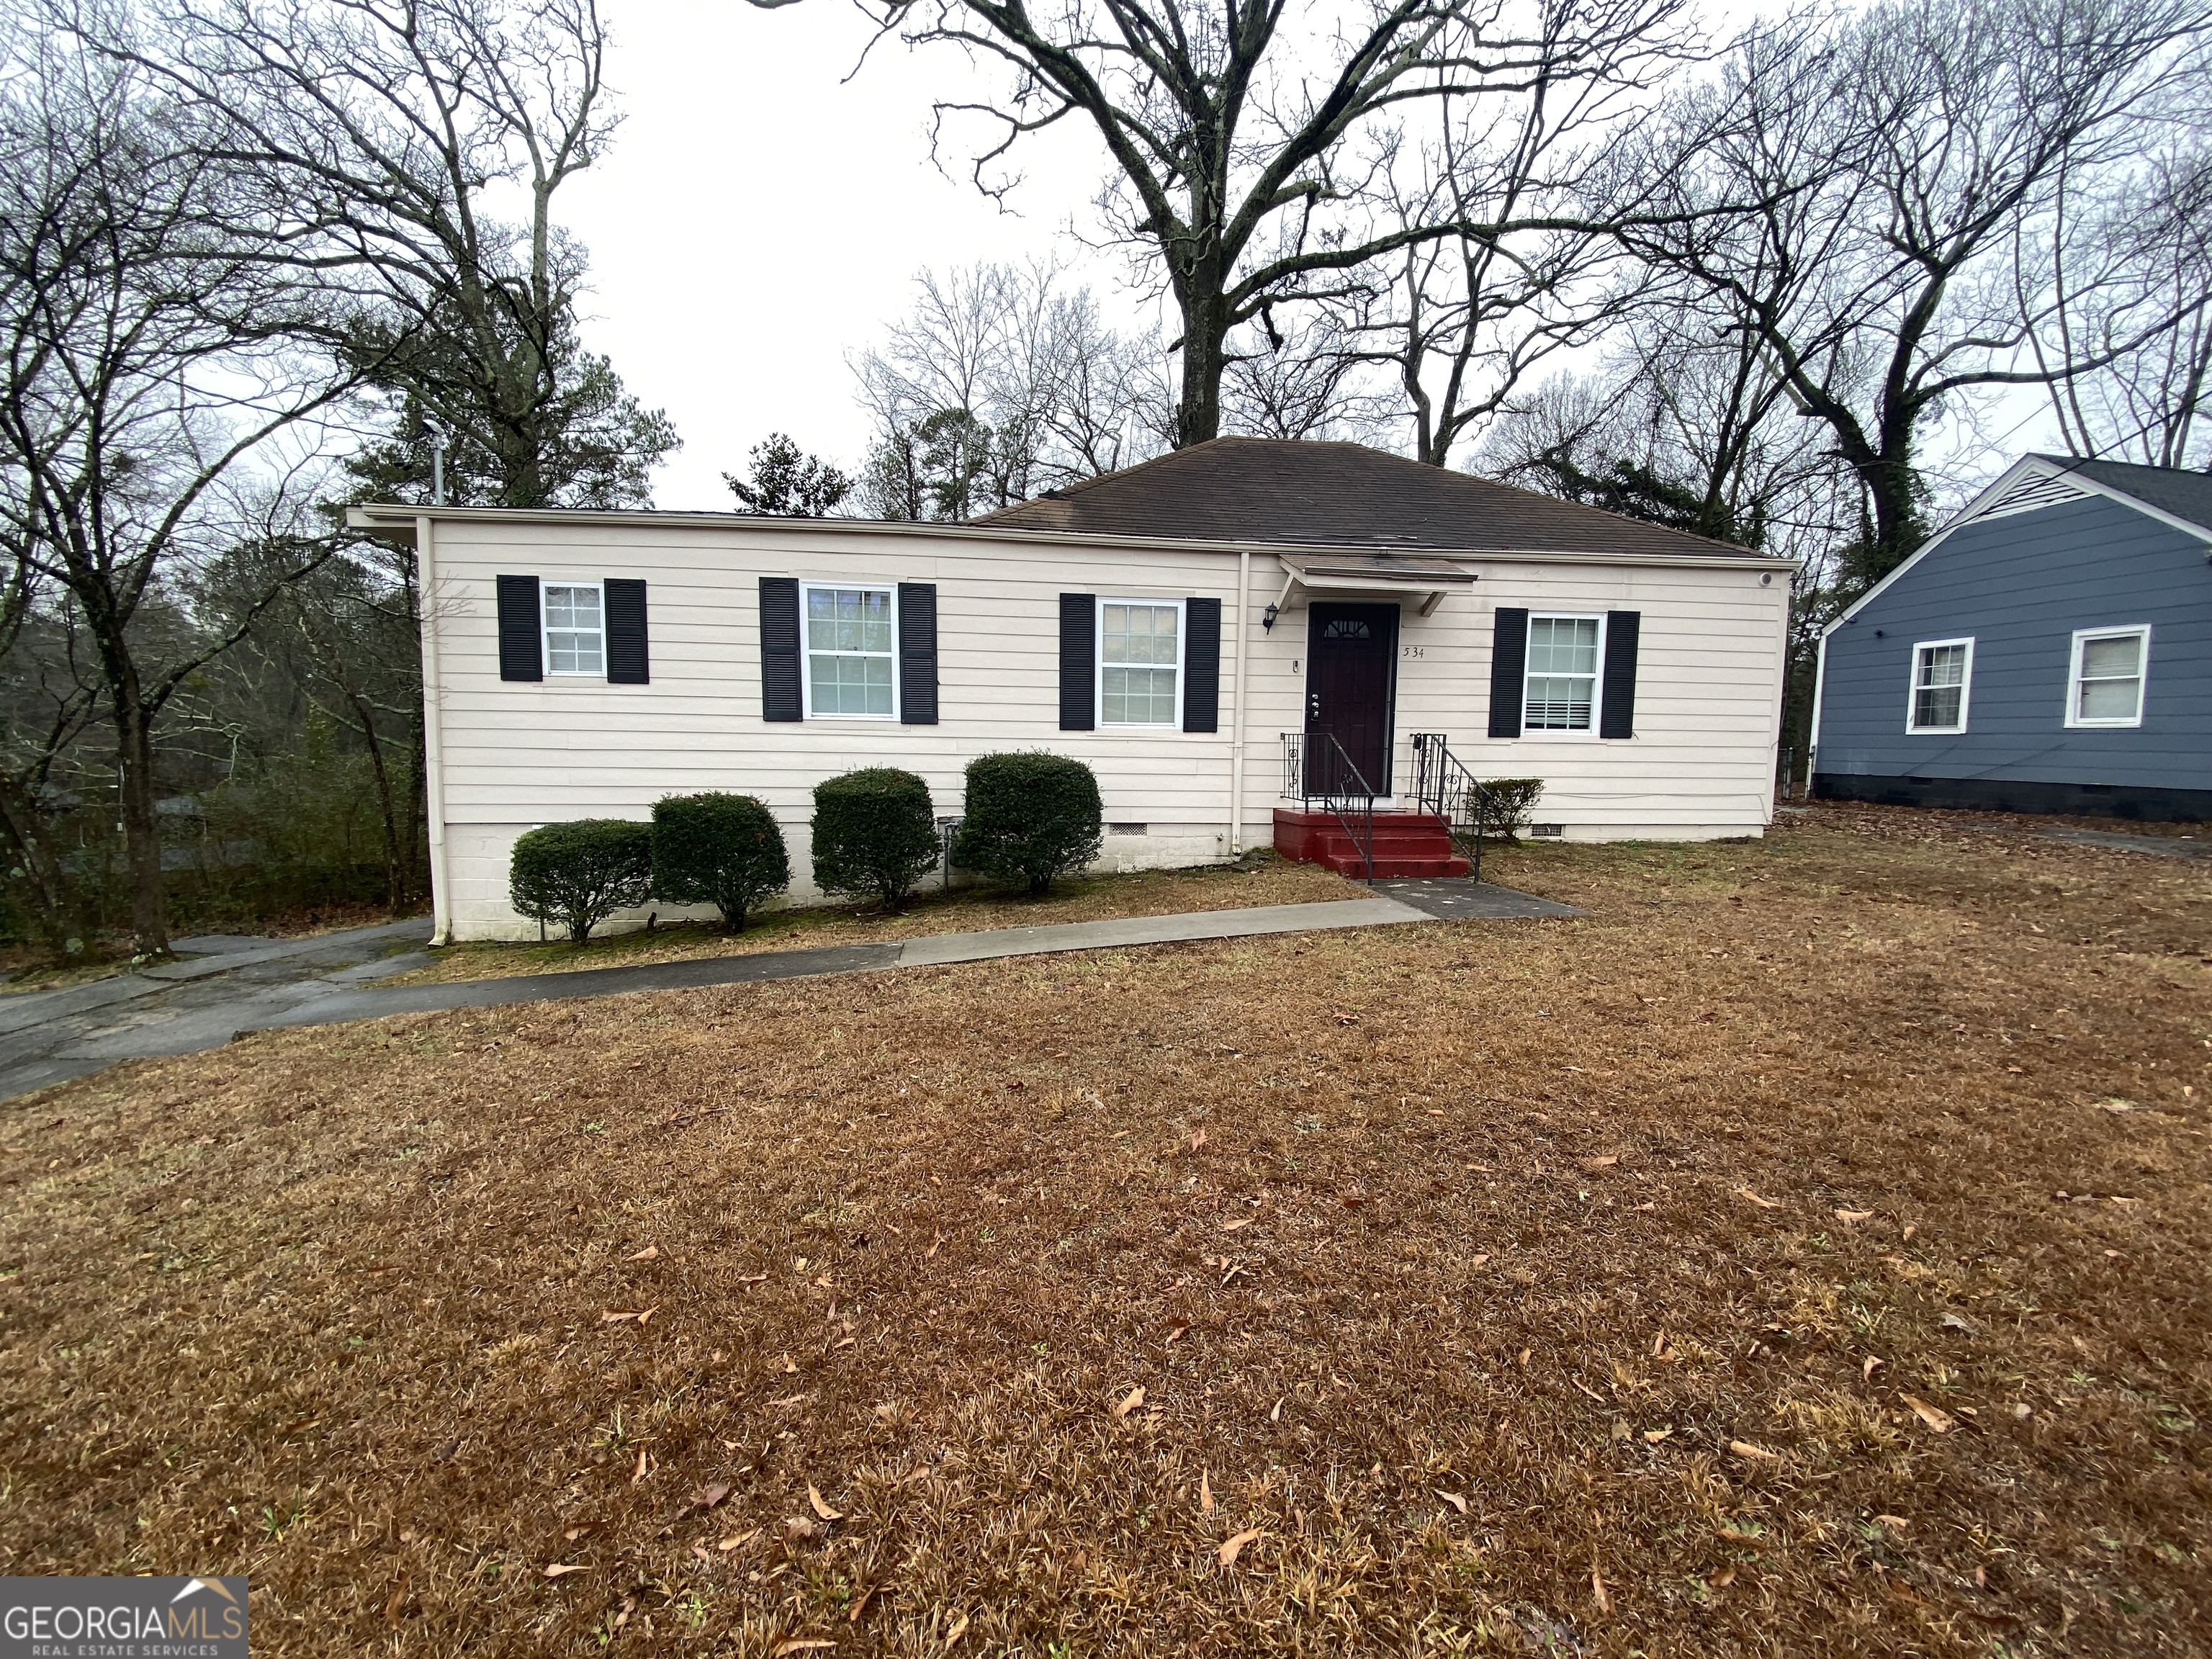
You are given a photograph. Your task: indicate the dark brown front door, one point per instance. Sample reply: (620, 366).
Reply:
(1352, 662)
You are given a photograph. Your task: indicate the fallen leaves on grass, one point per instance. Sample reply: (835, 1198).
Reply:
(563, 1569)
(1763, 1203)
(1130, 1401)
(855, 1119)
(1234, 1546)
(1936, 1419)
(1745, 1449)
(821, 1508)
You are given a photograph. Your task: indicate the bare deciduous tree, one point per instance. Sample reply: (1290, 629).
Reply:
(1309, 380)
(383, 135)
(146, 365)
(1894, 155)
(1000, 382)
(1461, 322)
(1236, 133)
(2128, 270)
(344, 640)
(49, 701)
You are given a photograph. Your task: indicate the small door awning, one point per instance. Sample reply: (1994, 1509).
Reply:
(1424, 576)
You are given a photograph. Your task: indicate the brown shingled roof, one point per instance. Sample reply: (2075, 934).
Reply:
(1337, 495)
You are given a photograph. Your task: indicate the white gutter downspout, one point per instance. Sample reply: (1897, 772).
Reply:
(434, 774)
(1237, 710)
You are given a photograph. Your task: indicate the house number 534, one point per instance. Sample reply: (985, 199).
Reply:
(1414, 651)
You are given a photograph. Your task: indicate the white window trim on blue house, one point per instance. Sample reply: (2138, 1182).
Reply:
(2141, 633)
(1914, 688)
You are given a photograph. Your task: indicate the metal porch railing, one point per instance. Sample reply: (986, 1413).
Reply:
(1442, 784)
(1316, 768)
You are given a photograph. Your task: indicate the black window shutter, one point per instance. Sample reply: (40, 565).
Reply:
(780, 694)
(1078, 662)
(1616, 714)
(627, 663)
(1202, 666)
(1509, 665)
(917, 627)
(521, 645)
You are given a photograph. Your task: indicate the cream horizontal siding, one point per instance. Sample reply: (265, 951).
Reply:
(513, 756)
(1709, 676)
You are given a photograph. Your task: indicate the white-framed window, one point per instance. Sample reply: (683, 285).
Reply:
(1560, 688)
(2104, 681)
(850, 632)
(1942, 678)
(576, 618)
(1141, 662)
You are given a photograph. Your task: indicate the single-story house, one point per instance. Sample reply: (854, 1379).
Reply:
(1178, 626)
(2050, 650)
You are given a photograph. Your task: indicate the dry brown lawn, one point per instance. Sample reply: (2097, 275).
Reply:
(1804, 1254)
(1263, 878)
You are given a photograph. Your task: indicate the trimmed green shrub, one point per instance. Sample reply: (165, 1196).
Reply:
(1511, 802)
(581, 873)
(875, 833)
(722, 850)
(1030, 816)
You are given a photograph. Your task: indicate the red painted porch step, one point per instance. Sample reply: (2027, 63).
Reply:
(1405, 844)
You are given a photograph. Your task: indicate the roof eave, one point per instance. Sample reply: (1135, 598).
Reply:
(399, 522)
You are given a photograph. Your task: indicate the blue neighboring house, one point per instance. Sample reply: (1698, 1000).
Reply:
(2049, 651)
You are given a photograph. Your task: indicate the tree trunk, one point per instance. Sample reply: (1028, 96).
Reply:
(1205, 331)
(1893, 491)
(395, 857)
(141, 828)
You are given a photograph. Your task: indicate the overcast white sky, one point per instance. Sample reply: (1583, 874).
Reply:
(758, 219)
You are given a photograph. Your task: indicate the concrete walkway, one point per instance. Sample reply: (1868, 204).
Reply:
(249, 985)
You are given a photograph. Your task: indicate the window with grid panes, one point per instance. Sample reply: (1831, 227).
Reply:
(1139, 662)
(1562, 674)
(851, 651)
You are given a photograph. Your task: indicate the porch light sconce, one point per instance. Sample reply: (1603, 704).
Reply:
(1268, 618)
